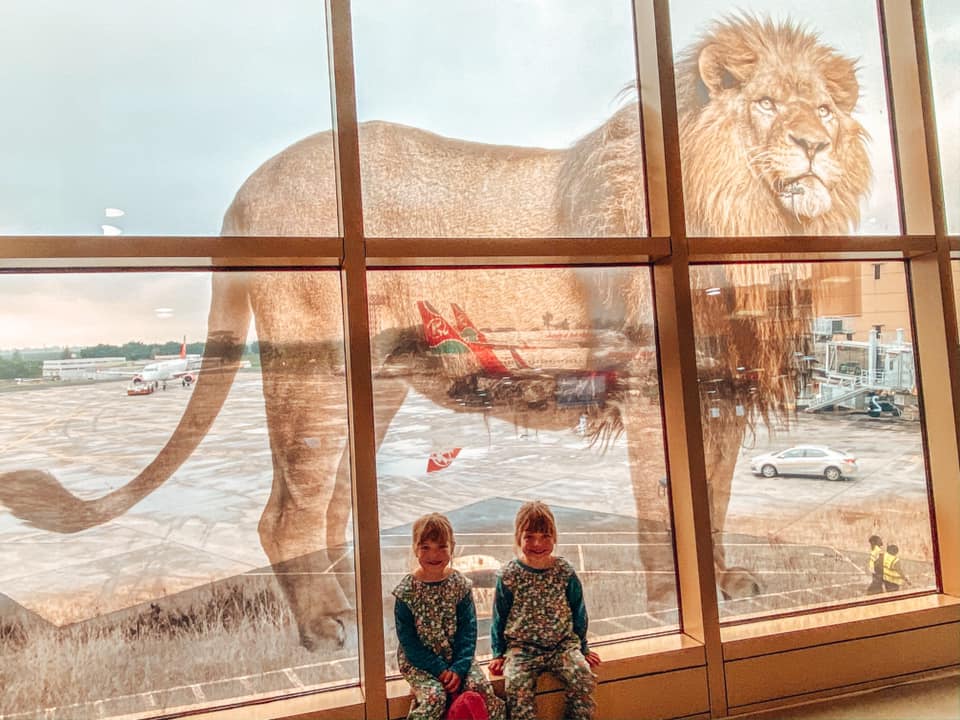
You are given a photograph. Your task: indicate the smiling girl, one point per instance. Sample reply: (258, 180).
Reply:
(437, 626)
(540, 621)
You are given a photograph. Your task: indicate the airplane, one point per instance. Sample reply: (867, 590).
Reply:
(483, 378)
(183, 368)
(468, 330)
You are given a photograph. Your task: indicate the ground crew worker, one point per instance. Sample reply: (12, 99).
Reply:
(875, 566)
(893, 577)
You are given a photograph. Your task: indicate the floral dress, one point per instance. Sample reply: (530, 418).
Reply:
(437, 629)
(540, 625)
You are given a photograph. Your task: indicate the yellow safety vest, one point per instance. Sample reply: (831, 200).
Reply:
(876, 562)
(891, 569)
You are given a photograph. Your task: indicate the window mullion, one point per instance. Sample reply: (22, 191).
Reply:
(699, 611)
(366, 524)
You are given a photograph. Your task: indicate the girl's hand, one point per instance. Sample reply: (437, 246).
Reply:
(496, 666)
(450, 681)
(592, 659)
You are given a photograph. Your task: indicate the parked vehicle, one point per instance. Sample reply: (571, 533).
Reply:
(810, 460)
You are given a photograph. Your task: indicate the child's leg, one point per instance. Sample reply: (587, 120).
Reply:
(520, 673)
(477, 682)
(429, 697)
(573, 670)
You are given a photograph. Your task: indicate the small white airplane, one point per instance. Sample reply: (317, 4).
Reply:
(156, 374)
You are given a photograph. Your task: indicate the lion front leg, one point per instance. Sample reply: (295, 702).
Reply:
(644, 430)
(722, 450)
(302, 533)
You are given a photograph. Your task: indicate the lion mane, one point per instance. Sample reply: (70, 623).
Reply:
(768, 142)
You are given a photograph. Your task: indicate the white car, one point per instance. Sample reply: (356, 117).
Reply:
(814, 460)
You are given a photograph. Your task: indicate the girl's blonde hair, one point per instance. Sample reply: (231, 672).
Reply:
(536, 517)
(432, 528)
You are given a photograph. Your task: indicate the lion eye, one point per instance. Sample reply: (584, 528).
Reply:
(767, 104)
(825, 112)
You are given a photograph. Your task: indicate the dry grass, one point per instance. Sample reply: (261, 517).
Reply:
(232, 631)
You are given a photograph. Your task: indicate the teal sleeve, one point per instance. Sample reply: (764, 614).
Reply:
(502, 602)
(465, 641)
(578, 610)
(416, 652)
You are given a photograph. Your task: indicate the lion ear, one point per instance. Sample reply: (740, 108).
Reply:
(724, 67)
(840, 74)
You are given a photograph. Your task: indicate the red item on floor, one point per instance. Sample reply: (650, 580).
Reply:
(468, 705)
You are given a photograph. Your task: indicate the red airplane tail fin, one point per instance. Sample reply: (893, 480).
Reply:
(441, 460)
(466, 326)
(183, 348)
(521, 363)
(439, 334)
(443, 338)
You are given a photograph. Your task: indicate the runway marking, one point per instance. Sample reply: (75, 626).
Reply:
(292, 677)
(50, 423)
(336, 562)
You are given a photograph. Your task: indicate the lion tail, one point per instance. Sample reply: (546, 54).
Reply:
(37, 497)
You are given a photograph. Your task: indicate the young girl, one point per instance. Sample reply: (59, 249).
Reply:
(437, 626)
(540, 621)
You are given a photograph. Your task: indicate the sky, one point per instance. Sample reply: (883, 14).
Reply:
(162, 110)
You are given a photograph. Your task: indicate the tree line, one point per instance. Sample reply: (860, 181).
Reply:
(16, 366)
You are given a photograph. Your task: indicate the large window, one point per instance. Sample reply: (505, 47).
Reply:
(784, 128)
(549, 91)
(278, 279)
(494, 387)
(943, 43)
(179, 589)
(146, 121)
(809, 392)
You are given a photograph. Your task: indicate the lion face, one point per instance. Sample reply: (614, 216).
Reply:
(768, 142)
(792, 133)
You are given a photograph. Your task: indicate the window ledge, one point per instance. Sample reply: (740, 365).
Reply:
(643, 656)
(340, 704)
(791, 633)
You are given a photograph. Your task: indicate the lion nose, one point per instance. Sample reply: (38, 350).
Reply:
(810, 147)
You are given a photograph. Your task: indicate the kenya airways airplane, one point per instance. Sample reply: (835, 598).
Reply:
(183, 368)
(486, 372)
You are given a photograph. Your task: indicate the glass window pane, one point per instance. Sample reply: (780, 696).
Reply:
(943, 44)
(494, 387)
(160, 115)
(503, 119)
(955, 264)
(190, 586)
(817, 355)
(783, 119)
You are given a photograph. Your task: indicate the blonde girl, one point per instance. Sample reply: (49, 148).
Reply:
(437, 626)
(540, 621)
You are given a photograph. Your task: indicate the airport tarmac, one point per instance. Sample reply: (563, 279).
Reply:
(804, 537)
